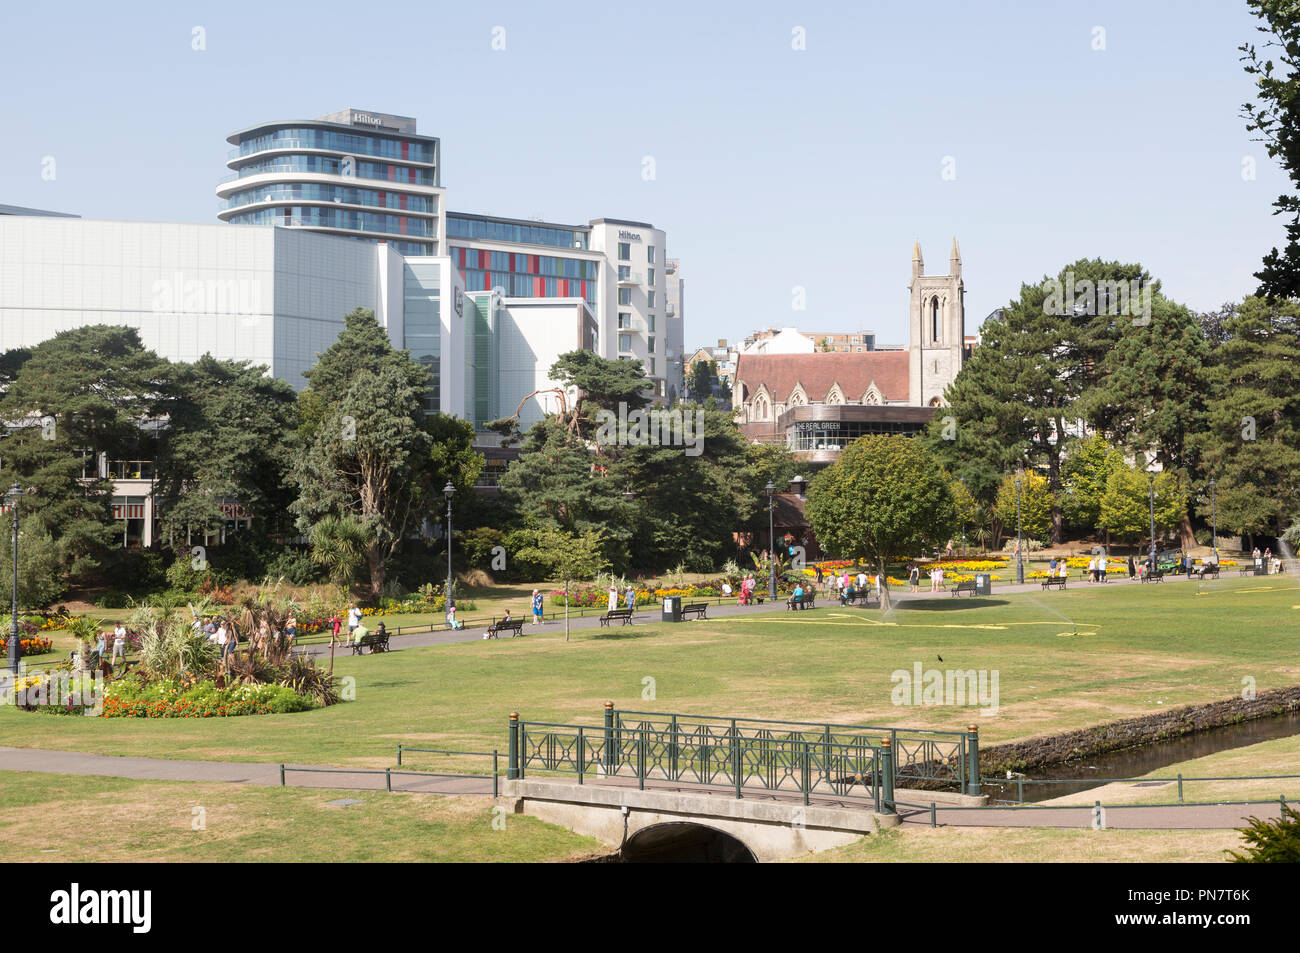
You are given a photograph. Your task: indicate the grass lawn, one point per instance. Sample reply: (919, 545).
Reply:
(945, 845)
(1064, 659)
(116, 819)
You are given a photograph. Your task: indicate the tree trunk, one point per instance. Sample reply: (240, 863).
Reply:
(375, 561)
(566, 610)
(1187, 537)
(1054, 485)
(884, 589)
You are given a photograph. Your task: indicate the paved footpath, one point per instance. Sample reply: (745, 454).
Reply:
(644, 616)
(1189, 817)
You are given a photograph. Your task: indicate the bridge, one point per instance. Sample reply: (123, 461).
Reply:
(765, 789)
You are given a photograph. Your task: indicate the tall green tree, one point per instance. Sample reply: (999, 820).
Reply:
(1085, 475)
(884, 497)
(1274, 118)
(567, 558)
(1036, 504)
(228, 440)
(86, 391)
(1251, 441)
(1126, 506)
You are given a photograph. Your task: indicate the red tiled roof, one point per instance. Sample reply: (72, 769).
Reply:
(818, 372)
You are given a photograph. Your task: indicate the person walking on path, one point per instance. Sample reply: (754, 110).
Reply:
(1132, 568)
(613, 598)
(629, 598)
(119, 642)
(335, 625)
(537, 607)
(914, 578)
(354, 618)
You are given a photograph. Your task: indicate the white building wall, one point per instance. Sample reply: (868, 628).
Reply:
(531, 334)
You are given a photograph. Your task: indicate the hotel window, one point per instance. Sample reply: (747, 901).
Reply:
(624, 251)
(650, 319)
(624, 295)
(652, 367)
(624, 272)
(650, 299)
(652, 276)
(650, 254)
(625, 342)
(625, 320)
(652, 344)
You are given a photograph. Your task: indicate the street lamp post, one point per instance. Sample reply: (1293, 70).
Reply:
(449, 491)
(771, 542)
(1151, 485)
(15, 647)
(1020, 566)
(1214, 521)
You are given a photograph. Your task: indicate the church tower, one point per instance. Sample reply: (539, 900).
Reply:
(937, 329)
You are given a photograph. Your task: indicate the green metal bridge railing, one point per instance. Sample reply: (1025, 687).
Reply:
(742, 754)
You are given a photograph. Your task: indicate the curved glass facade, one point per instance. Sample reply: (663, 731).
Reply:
(325, 165)
(332, 140)
(315, 192)
(320, 217)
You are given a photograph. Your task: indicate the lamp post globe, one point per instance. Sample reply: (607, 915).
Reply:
(1151, 488)
(1214, 520)
(15, 646)
(1020, 566)
(771, 541)
(449, 491)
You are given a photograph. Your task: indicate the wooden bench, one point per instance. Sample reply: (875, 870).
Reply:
(860, 597)
(372, 640)
(513, 626)
(699, 609)
(1210, 571)
(807, 601)
(1154, 575)
(1057, 582)
(968, 586)
(624, 614)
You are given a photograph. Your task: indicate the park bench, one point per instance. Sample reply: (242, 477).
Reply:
(1154, 575)
(807, 601)
(860, 597)
(372, 640)
(699, 609)
(1209, 571)
(513, 626)
(624, 614)
(968, 586)
(1054, 581)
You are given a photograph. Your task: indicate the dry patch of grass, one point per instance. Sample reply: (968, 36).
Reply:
(1029, 845)
(118, 820)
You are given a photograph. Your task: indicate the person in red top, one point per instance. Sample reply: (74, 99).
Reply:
(335, 624)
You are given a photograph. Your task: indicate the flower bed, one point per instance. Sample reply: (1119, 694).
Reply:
(31, 645)
(118, 708)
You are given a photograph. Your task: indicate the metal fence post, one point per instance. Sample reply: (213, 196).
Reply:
(735, 757)
(1180, 787)
(887, 777)
(640, 758)
(388, 779)
(496, 785)
(973, 761)
(281, 775)
(512, 756)
(608, 759)
(399, 754)
(673, 769)
(805, 773)
(933, 821)
(580, 758)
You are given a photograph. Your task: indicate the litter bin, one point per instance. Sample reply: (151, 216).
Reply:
(983, 584)
(672, 609)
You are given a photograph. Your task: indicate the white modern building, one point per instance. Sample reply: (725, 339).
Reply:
(371, 176)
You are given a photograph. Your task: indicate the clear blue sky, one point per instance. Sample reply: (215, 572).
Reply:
(774, 167)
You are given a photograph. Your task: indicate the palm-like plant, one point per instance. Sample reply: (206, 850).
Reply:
(338, 543)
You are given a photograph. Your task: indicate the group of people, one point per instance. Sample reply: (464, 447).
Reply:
(1266, 561)
(629, 599)
(101, 648)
